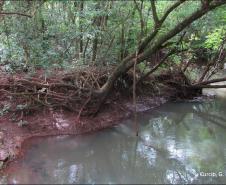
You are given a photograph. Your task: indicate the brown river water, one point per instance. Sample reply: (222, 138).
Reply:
(183, 142)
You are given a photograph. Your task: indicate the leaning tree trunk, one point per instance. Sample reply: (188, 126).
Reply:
(146, 50)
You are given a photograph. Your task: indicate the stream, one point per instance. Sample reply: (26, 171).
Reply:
(183, 142)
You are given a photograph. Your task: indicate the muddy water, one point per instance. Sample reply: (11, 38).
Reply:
(178, 143)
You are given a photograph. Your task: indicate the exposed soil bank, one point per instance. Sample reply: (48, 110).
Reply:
(54, 123)
(46, 121)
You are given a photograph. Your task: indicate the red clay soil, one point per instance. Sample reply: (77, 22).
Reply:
(51, 122)
(54, 123)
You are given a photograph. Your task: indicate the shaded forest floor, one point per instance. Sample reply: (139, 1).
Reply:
(19, 123)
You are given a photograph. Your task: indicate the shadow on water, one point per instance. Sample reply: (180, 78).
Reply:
(178, 143)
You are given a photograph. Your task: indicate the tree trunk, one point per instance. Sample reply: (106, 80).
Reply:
(140, 11)
(81, 28)
(96, 24)
(128, 62)
(122, 50)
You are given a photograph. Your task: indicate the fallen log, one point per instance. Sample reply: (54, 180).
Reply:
(206, 86)
(210, 81)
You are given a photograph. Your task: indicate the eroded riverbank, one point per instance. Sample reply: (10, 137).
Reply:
(179, 143)
(49, 123)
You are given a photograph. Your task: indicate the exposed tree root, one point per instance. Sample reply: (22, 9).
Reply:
(80, 91)
(76, 91)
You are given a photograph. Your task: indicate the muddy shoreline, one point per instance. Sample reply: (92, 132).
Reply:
(56, 123)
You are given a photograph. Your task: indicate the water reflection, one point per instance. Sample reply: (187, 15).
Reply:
(176, 143)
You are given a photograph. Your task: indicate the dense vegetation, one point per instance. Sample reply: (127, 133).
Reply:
(111, 37)
(76, 66)
(70, 33)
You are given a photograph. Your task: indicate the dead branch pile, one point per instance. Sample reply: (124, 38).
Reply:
(69, 91)
(177, 85)
(74, 91)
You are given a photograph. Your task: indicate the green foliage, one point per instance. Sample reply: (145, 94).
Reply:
(51, 38)
(215, 38)
(176, 59)
(142, 67)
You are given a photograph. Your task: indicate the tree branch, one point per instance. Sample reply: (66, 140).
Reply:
(152, 35)
(15, 13)
(170, 9)
(154, 68)
(180, 26)
(154, 13)
(173, 51)
(141, 18)
(210, 81)
(207, 86)
(213, 63)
